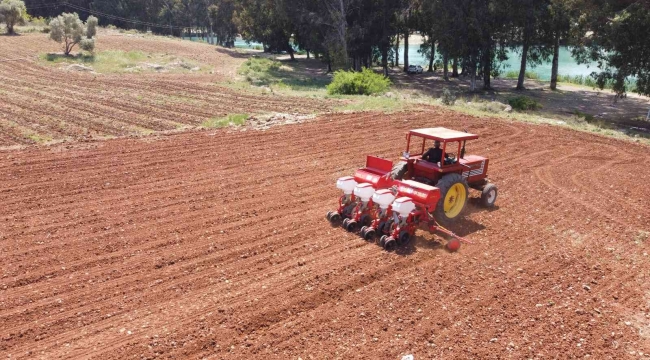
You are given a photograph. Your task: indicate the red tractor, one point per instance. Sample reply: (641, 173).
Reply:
(415, 192)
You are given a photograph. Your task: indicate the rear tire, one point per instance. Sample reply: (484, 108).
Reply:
(390, 244)
(454, 194)
(489, 195)
(399, 170)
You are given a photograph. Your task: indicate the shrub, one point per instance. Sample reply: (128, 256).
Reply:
(523, 103)
(12, 13)
(448, 98)
(366, 82)
(588, 117)
(69, 30)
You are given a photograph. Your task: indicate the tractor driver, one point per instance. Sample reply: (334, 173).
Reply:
(434, 154)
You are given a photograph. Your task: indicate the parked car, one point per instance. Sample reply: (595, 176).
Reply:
(415, 69)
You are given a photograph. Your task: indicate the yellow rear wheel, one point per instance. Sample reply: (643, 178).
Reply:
(455, 200)
(454, 194)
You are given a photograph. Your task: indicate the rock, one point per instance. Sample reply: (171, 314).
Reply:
(508, 109)
(156, 67)
(195, 68)
(493, 340)
(79, 67)
(586, 287)
(408, 357)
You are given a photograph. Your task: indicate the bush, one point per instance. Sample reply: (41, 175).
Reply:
(448, 98)
(366, 82)
(523, 103)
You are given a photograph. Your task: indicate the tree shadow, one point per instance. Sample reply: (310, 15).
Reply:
(85, 58)
(566, 101)
(232, 53)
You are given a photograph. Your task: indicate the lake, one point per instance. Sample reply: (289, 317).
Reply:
(566, 64)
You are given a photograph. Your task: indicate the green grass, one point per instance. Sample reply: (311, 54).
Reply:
(117, 61)
(515, 75)
(230, 120)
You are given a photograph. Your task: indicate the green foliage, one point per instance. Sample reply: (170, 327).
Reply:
(617, 43)
(366, 82)
(229, 120)
(523, 103)
(12, 13)
(69, 30)
(448, 98)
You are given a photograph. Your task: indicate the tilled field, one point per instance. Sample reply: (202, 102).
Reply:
(43, 103)
(215, 244)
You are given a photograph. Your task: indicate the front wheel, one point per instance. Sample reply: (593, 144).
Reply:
(489, 195)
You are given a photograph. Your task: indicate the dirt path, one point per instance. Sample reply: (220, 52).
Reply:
(215, 245)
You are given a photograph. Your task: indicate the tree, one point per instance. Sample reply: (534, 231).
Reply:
(12, 13)
(613, 35)
(70, 30)
(534, 37)
(268, 22)
(222, 16)
(561, 16)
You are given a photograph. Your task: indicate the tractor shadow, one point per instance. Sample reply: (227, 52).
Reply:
(436, 241)
(474, 206)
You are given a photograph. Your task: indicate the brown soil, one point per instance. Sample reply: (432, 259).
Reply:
(47, 103)
(215, 244)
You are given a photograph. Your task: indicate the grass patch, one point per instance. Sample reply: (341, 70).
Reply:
(267, 72)
(230, 120)
(373, 103)
(523, 103)
(117, 61)
(515, 75)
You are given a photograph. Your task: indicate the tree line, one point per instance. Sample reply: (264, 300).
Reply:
(470, 37)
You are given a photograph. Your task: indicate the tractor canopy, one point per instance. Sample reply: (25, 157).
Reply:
(418, 140)
(442, 134)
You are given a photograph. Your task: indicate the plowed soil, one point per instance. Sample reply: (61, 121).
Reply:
(215, 245)
(45, 103)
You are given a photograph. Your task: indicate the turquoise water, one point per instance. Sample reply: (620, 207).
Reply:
(566, 64)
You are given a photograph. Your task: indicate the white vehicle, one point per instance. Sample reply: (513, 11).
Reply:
(415, 69)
